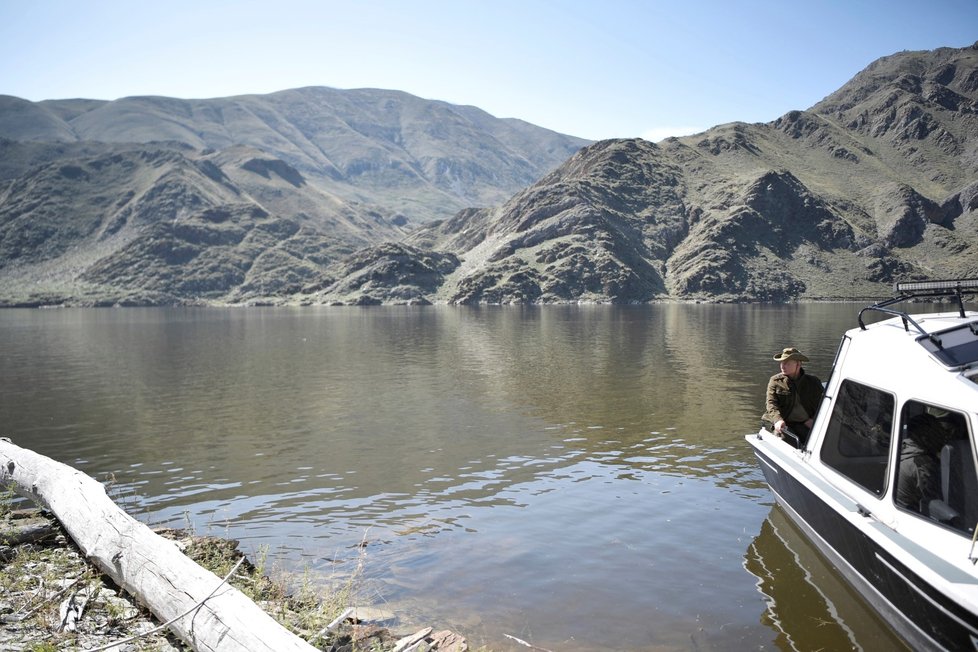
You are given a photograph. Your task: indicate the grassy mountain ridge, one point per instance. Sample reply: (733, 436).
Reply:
(425, 159)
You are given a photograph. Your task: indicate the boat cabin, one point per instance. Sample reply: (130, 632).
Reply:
(886, 485)
(899, 417)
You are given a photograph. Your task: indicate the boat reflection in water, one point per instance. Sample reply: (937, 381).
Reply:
(809, 605)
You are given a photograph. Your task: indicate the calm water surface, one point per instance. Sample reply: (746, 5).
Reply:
(575, 477)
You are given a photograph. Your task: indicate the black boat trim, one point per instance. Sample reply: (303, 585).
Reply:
(937, 563)
(769, 465)
(896, 571)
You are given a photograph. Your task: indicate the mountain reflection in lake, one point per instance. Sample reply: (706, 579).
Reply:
(572, 476)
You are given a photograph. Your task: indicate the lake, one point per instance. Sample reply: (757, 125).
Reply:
(575, 477)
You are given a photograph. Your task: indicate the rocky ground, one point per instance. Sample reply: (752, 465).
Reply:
(51, 599)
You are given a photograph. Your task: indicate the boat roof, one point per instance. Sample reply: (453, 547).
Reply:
(950, 337)
(933, 356)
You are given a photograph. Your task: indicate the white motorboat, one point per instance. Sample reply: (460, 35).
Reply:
(886, 485)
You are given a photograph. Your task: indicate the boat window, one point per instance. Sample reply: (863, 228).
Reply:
(857, 440)
(936, 469)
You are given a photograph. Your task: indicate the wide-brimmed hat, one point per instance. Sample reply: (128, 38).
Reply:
(790, 353)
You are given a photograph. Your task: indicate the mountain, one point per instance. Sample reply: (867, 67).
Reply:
(152, 200)
(878, 182)
(302, 197)
(421, 159)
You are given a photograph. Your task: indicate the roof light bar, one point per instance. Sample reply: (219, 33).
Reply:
(931, 286)
(909, 290)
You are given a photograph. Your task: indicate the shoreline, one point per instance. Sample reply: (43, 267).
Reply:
(50, 595)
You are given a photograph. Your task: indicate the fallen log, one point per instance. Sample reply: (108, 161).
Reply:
(149, 567)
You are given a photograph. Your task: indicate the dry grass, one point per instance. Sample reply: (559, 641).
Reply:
(36, 580)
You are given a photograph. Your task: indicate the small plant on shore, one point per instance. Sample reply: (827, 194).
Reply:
(347, 594)
(6, 500)
(261, 560)
(116, 612)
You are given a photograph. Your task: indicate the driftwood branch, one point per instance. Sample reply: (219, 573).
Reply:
(146, 565)
(525, 644)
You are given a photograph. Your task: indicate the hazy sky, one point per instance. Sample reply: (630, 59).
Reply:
(595, 69)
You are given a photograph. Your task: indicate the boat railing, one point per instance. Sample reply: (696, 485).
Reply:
(907, 290)
(787, 432)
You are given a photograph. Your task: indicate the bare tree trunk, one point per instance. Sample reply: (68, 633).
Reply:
(146, 565)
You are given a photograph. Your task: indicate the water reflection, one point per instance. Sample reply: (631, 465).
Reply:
(808, 603)
(336, 390)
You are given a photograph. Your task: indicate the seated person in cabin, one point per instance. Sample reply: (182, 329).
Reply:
(951, 423)
(793, 396)
(919, 474)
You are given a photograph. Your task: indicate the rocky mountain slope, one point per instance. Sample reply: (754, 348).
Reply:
(166, 225)
(877, 182)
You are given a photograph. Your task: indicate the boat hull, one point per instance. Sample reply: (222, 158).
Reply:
(920, 614)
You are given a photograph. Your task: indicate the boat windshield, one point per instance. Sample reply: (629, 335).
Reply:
(954, 347)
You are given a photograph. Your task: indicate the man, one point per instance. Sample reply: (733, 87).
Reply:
(792, 396)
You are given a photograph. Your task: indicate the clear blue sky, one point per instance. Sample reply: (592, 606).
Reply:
(595, 69)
